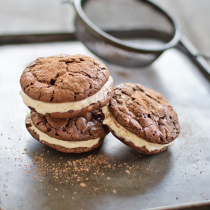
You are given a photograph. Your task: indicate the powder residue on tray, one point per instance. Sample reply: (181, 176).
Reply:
(94, 173)
(79, 171)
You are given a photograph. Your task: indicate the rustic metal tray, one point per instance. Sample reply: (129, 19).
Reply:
(33, 176)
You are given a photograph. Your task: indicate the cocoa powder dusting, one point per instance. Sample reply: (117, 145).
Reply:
(95, 173)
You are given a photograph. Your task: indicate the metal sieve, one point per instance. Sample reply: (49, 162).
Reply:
(132, 33)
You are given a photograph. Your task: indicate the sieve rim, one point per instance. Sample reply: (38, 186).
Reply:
(123, 44)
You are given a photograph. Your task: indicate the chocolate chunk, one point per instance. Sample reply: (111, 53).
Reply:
(81, 124)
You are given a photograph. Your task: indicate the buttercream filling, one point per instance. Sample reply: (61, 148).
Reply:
(66, 144)
(44, 107)
(127, 135)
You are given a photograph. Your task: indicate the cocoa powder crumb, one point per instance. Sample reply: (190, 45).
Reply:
(82, 184)
(127, 171)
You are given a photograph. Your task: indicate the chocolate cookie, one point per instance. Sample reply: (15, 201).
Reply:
(70, 135)
(66, 86)
(141, 118)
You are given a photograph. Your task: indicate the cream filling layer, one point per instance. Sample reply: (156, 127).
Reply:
(66, 144)
(44, 107)
(127, 135)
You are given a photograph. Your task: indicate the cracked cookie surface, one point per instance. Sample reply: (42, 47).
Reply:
(81, 128)
(145, 113)
(63, 78)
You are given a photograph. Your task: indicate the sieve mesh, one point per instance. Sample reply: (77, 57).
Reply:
(136, 22)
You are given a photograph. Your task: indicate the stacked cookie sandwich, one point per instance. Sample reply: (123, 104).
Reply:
(65, 95)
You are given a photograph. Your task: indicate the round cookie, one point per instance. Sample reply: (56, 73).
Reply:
(66, 86)
(71, 135)
(141, 118)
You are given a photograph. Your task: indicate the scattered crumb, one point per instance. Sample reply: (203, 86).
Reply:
(82, 184)
(123, 74)
(127, 171)
(81, 172)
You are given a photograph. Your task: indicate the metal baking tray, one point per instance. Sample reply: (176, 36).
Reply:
(33, 176)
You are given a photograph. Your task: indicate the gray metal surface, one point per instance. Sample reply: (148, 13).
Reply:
(128, 181)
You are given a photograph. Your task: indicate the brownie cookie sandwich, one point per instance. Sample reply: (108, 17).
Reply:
(71, 135)
(66, 86)
(141, 118)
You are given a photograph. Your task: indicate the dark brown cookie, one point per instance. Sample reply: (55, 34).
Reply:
(93, 129)
(138, 114)
(81, 128)
(145, 113)
(63, 78)
(66, 86)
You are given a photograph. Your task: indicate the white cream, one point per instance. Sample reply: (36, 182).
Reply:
(127, 135)
(66, 144)
(44, 107)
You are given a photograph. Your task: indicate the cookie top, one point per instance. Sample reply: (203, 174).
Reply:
(81, 128)
(145, 113)
(63, 78)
